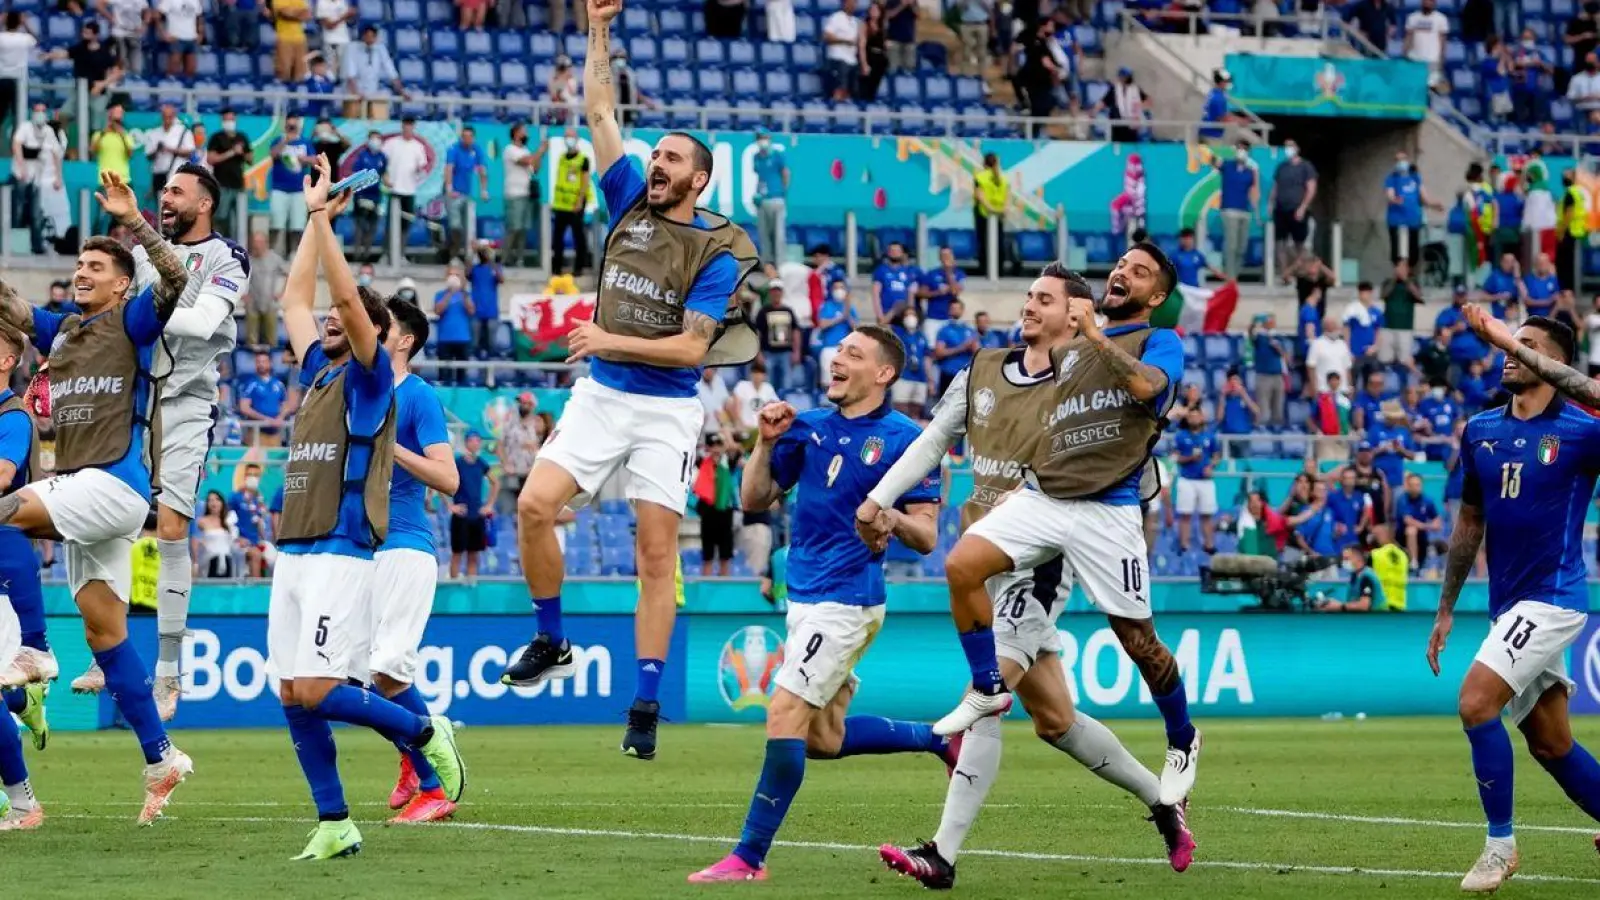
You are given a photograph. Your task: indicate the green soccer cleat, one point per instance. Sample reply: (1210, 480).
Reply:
(332, 840)
(445, 757)
(33, 717)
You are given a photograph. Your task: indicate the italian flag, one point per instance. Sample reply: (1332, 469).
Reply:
(1196, 309)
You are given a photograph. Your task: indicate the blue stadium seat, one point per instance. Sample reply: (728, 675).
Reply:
(413, 72)
(514, 75)
(671, 22)
(477, 45)
(710, 52)
(484, 107)
(680, 81)
(207, 64)
(642, 50)
(816, 117)
(779, 84)
(444, 42)
(808, 84)
(543, 47)
(749, 113)
(60, 29)
(575, 46)
(746, 84)
(773, 55)
(1191, 350)
(236, 67)
(741, 53)
(407, 42)
(963, 243)
(406, 12)
(509, 45)
(444, 74)
(635, 20)
(1219, 349)
(848, 119)
(372, 10)
(1035, 246)
(804, 57)
(210, 101)
(905, 88)
(481, 74)
(937, 89)
(441, 13)
(712, 86)
(969, 90)
(674, 51)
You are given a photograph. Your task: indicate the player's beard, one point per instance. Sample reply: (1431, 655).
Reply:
(181, 223)
(675, 192)
(1128, 308)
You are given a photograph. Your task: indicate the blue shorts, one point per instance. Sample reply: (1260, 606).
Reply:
(19, 569)
(185, 47)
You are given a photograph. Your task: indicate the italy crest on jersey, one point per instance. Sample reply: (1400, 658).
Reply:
(1549, 447)
(195, 261)
(872, 451)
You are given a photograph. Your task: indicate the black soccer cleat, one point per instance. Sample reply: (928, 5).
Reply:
(924, 864)
(640, 739)
(542, 661)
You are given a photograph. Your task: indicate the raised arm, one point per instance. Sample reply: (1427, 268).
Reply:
(300, 293)
(1564, 378)
(599, 96)
(758, 489)
(358, 327)
(1143, 381)
(119, 202)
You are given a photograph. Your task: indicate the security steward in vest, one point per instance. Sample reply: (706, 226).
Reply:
(569, 198)
(1573, 231)
(101, 398)
(666, 307)
(990, 194)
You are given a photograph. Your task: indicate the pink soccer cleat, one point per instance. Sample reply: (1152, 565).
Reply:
(425, 806)
(952, 753)
(406, 787)
(19, 820)
(732, 868)
(1173, 824)
(160, 780)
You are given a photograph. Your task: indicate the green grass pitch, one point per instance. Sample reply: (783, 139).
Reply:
(1283, 809)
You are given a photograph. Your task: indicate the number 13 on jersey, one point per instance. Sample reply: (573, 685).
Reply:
(1510, 480)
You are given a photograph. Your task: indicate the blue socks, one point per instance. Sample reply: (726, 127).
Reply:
(16, 700)
(871, 735)
(978, 645)
(128, 683)
(548, 609)
(1175, 710)
(781, 775)
(27, 599)
(355, 706)
(1579, 775)
(319, 760)
(649, 680)
(1492, 765)
(13, 769)
(412, 702)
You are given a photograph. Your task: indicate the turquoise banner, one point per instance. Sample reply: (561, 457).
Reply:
(1322, 86)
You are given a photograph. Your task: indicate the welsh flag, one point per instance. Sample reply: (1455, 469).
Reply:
(1196, 309)
(543, 320)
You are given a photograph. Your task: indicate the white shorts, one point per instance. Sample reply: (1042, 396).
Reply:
(1101, 545)
(1025, 621)
(287, 211)
(318, 614)
(909, 392)
(825, 642)
(186, 424)
(10, 639)
(1195, 495)
(403, 584)
(653, 437)
(1527, 647)
(99, 517)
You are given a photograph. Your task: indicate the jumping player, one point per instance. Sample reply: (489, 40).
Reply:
(665, 309)
(977, 407)
(836, 583)
(19, 809)
(19, 563)
(1529, 469)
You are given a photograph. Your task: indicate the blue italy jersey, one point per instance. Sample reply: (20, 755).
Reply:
(622, 186)
(1191, 265)
(419, 424)
(369, 401)
(935, 281)
(251, 510)
(897, 284)
(954, 334)
(916, 368)
(1346, 509)
(16, 443)
(1533, 479)
(19, 563)
(1421, 507)
(1542, 291)
(1201, 445)
(1164, 350)
(836, 461)
(266, 394)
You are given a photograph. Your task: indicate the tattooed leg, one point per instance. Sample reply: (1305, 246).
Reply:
(23, 511)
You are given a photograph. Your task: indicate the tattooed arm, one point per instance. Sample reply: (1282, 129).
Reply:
(117, 199)
(1465, 539)
(686, 349)
(1143, 381)
(1563, 378)
(599, 96)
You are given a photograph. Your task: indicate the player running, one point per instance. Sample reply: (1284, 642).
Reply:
(101, 391)
(19, 809)
(1026, 602)
(1528, 471)
(19, 563)
(200, 333)
(1081, 498)
(335, 514)
(407, 564)
(836, 582)
(665, 309)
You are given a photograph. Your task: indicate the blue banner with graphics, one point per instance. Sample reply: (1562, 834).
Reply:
(1584, 667)
(1327, 86)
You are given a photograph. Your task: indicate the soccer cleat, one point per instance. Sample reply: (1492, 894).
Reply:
(445, 758)
(160, 780)
(731, 868)
(332, 840)
(30, 665)
(92, 681)
(952, 754)
(1172, 822)
(406, 787)
(167, 689)
(973, 706)
(924, 864)
(13, 819)
(1492, 870)
(1177, 776)
(425, 806)
(541, 661)
(33, 716)
(640, 739)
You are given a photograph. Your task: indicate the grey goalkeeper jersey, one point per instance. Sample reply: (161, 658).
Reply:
(218, 268)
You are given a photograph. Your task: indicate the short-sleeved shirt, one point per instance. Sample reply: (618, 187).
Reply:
(470, 494)
(455, 326)
(1164, 351)
(832, 335)
(835, 461)
(1347, 510)
(265, 393)
(1542, 291)
(183, 18)
(1290, 182)
(1465, 345)
(1421, 507)
(1501, 286)
(1202, 442)
(419, 424)
(114, 153)
(230, 172)
(623, 185)
(1365, 583)
(1399, 307)
(314, 87)
(1363, 329)
(768, 169)
(775, 326)
(1216, 109)
(916, 347)
(1408, 188)
(251, 510)
(290, 30)
(485, 291)
(16, 443)
(286, 177)
(935, 280)
(897, 284)
(1191, 265)
(1238, 177)
(1370, 405)
(91, 65)
(951, 336)
(464, 162)
(1269, 358)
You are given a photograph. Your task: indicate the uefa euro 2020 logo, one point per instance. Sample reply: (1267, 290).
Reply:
(748, 667)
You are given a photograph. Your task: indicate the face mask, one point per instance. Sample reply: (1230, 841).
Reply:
(375, 145)
(910, 323)
(1437, 393)
(251, 482)
(764, 144)
(453, 283)
(364, 280)
(1241, 155)
(229, 127)
(1291, 152)
(1402, 167)
(840, 293)
(38, 118)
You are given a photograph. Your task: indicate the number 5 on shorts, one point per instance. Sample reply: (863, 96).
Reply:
(321, 637)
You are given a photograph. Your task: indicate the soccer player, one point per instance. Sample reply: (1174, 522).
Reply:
(19, 563)
(1529, 469)
(100, 397)
(1112, 387)
(671, 272)
(19, 809)
(200, 333)
(836, 582)
(1026, 602)
(335, 514)
(407, 564)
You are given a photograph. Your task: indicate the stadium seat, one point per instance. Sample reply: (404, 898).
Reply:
(482, 74)
(543, 47)
(815, 117)
(746, 84)
(808, 84)
(510, 45)
(413, 72)
(779, 84)
(804, 57)
(741, 53)
(647, 80)
(237, 67)
(674, 51)
(671, 22)
(635, 20)
(445, 42)
(575, 46)
(680, 81)
(905, 88)
(642, 50)
(406, 12)
(407, 43)
(444, 74)
(748, 114)
(1035, 246)
(372, 10)
(712, 85)
(710, 52)
(477, 45)
(441, 13)
(514, 75)
(773, 55)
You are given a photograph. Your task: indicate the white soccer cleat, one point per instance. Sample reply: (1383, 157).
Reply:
(15, 819)
(973, 706)
(92, 681)
(1493, 869)
(1177, 775)
(166, 691)
(160, 780)
(29, 666)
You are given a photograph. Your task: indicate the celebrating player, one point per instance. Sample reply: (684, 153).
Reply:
(407, 564)
(335, 514)
(669, 281)
(1528, 471)
(979, 406)
(1081, 498)
(19, 809)
(101, 394)
(836, 586)
(19, 564)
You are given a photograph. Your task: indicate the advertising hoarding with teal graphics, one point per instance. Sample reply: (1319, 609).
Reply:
(1327, 86)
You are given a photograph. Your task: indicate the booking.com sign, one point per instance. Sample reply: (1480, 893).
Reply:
(1586, 669)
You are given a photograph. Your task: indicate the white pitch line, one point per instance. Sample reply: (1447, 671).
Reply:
(1389, 820)
(1234, 865)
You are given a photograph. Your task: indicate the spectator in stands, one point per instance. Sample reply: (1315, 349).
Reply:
(37, 155)
(264, 403)
(910, 391)
(1540, 287)
(1465, 345)
(408, 165)
(1392, 441)
(291, 156)
(1125, 104)
(1572, 228)
(518, 446)
(1196, 450)
(779, 333)
(1240, 203)
(227, 154)
(1371, 481)
(567, 205)
(1363, 316)
(1495, 68)
(755, 535)
(988, 337)
(1269, 354)
(1294, 188)
(1406, 196)
(1397, 335)
(453, 306)
(1350, 511)
(1426, 30)
(473, 14)
(954, 348)
(1044, 68)
(17, 44)
(1262, 530)
(714, 493)
(369, 201)
(874, 53)
(1376, 19)
(1313, 279)
(1367, 407)
(843, 62)
(60, 301)
(180, 33)
(629, 97)
(563, 92)
(1439, 412)
(1582, 33)
(717, 404)
(1475, 386)
(1191, 395)
(991, 194)
(215, 536)
(1533, 65)
(1433, 360)
(1313, 523)
(771, 170)
(289, 18)
(261, 316)
(129, 20)
(1418, 518)
(335, 18)
(1236, 412)
(894, 283)
(369, 73)
(470, 509)
(522, 195)
(466, 177)
(1504, 288)
(92, 63)
(1328, 355)
(1509, 207)
(725, 18)
(939, 285)
(749, 395)
(1217, 109)
(1191, 263)
(901, 16)
(834, 319)
(317, 89)
(253, 520)
(164, 146)
(485, 278)
(1584, 88)
(976, 27)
